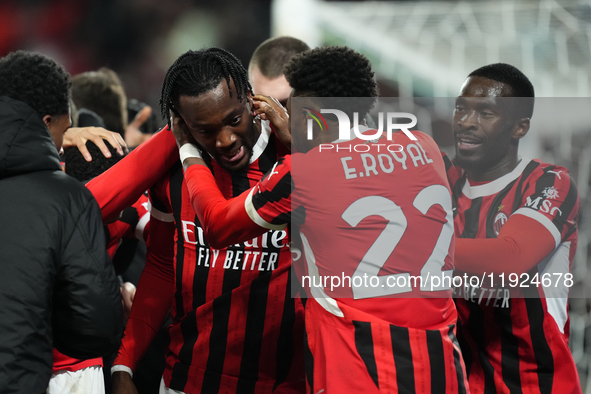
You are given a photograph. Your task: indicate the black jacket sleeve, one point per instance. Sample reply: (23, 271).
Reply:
(87, 312)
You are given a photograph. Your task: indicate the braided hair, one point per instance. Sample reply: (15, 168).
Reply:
(197, 72)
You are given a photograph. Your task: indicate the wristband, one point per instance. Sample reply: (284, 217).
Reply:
(189, 150)
(121, 368)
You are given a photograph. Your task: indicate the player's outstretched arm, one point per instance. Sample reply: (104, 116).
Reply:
(121, 185)
(225, 222)
(151, 303)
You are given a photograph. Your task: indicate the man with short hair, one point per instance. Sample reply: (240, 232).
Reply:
(515, 216)
(265, 70)
(57, 285)
(235, 326)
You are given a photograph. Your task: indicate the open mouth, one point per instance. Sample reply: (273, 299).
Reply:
(234, 156)
(467, 142)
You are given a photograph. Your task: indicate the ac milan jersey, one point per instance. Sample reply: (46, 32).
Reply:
(515, 339)
(235, 327)
(131, 224)
(376, 227)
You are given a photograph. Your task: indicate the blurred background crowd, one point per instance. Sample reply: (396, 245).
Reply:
(418, 49)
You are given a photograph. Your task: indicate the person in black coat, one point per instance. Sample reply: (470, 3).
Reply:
(57, 284)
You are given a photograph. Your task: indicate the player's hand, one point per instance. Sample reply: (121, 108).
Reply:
(123, 383)
(77, 136)
(180, 131)
(269, 108)
(133, 136)
(127, 294)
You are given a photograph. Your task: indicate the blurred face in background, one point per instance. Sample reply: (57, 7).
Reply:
(275, 87)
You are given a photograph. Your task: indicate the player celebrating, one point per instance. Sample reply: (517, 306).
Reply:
(235, 327)
(514, 216)
(361, 215)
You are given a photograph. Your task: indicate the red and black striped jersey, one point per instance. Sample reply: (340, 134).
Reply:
(386, 215)
(364, 211)
(235, 327)
(515, 339)
(377, 357)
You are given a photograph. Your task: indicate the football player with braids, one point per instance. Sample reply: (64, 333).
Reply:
(235, 327)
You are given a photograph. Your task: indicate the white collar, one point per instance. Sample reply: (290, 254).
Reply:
(262, 142)
(495, 186)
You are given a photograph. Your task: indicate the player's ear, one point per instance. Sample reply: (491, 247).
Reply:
(249, 97)
(521, 128)
(47, 120)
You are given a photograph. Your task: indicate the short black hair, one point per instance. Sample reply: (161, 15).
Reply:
(83, 170)
(505, 73)
(333, 71)
(37, 80)
(198, 72)
(102, 92)
(273, 54)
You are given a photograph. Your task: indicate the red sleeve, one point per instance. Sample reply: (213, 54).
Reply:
(154, 295)
(521, 244)
(121, 185)
(225, 222)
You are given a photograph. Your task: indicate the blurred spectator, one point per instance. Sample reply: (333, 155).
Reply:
(56, 280)
(102, 92)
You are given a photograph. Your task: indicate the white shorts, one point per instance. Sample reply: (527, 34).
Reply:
(88, 380)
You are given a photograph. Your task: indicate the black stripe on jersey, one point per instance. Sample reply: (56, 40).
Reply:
(477, 330)
(542, 351)
(523, 178)
(269, 158)
(308, 363)
(457, 361)
(217, 342)
(436, 361)
(176, 187)
(493, 210)
(447, 162)
(253, 333)
(240, 182)
(282, 190)
(222, 305)
(405, 376)
(567, 206)
(472, 218)
(285, 343)
(180, 371)
(509, 350)
(456, 192)
(464, 347)
(201, 274)
(218, 339)
(364, 345)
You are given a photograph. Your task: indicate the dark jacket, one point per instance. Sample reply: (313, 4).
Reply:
(57, 284)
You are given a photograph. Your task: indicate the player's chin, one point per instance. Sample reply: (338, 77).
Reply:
(467, 162)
